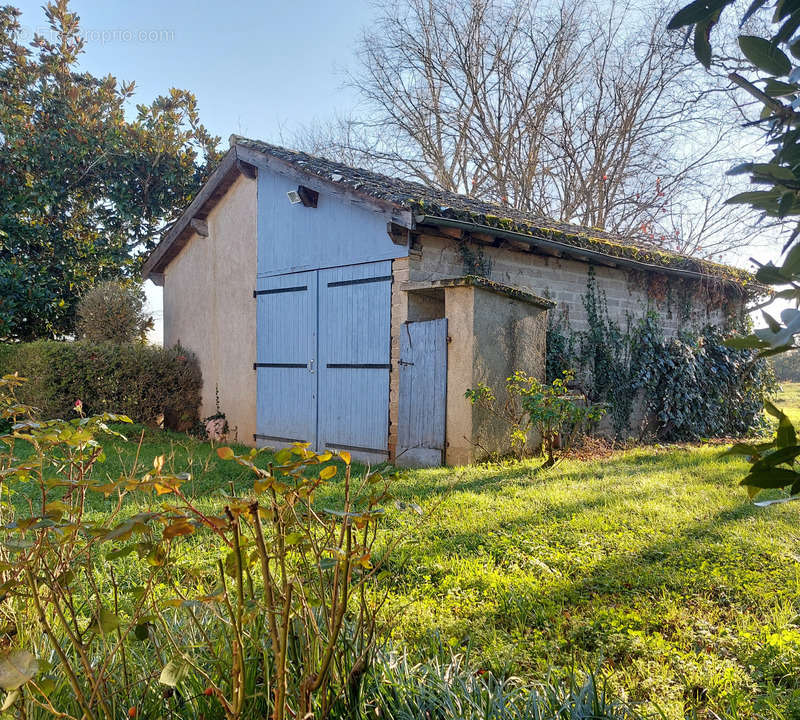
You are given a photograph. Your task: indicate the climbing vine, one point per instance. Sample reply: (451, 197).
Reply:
(474, 260)
(691, 385)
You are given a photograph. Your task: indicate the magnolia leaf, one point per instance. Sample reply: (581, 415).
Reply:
(771, 478)
(345, 456)
(765, 55)
(773, 170)
(174, 672)
(785, 455)
(791, 265)
(702, 44)
(745, 342)
(16, 668)
(695, 12)
(759, 198)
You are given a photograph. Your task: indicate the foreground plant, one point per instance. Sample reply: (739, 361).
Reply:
(109, 614)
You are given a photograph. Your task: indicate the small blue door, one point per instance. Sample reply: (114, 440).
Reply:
(423, 393)
(323, 364)
(286, 359)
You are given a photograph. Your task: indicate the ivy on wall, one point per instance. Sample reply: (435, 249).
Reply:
(474, 260)
(690, 386)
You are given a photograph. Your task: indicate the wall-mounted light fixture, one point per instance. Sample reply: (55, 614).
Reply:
(304, 195)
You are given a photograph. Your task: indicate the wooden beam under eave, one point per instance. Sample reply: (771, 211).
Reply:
(199, 226)
(248, 170)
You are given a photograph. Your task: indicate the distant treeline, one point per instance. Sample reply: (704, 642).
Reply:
(787, 366)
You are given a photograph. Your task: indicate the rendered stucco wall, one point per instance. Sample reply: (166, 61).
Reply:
(459, 310)
(564, 281)
(209, 306)
(508, 335)
(492, 335)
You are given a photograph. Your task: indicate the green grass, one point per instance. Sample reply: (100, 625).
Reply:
(649, 566)
(788, 399)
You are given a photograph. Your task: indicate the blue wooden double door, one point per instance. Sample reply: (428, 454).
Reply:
(323, 359)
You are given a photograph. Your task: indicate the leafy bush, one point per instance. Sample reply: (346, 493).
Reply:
(112, 312)
(556, 413)
(150, 384)
(111, 614)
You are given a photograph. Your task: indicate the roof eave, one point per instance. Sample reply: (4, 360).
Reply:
(574, 251)
(176, 237)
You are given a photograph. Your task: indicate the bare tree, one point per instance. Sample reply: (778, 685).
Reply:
(583, 112)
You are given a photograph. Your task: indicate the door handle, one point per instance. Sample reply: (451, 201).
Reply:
(311, 366)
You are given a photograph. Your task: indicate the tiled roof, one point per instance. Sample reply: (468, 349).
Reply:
(430, 202)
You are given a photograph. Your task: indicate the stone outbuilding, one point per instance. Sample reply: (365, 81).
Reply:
(351, 310)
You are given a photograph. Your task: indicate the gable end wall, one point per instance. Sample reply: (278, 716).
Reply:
(209, 306)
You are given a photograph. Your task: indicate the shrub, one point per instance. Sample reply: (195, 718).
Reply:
(556, 413)
(112, 613)
(150, 384)
(113, 312)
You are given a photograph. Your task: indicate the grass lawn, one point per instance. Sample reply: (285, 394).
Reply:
(649, 566)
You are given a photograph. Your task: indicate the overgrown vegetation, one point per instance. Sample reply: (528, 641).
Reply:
(691, 385)
(555, 414)
(124, 593)
(279, 617)
(151, 384)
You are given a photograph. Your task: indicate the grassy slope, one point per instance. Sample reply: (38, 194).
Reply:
(650, 564)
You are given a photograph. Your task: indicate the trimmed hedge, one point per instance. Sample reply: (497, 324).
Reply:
(145, 382)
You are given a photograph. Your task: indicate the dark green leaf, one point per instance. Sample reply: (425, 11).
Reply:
(765, 55)
(696, 12)
(771, 479)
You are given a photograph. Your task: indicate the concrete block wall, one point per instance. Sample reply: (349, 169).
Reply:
(565, 281)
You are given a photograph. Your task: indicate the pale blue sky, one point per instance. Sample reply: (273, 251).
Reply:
(259, 69)
(255, 67)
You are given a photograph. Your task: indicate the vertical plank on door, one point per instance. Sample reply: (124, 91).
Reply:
(354, 358)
